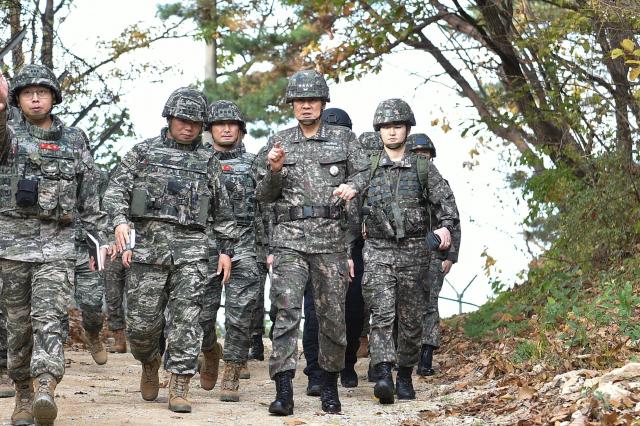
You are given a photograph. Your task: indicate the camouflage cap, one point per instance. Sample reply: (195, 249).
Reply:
(421, 141)
(307, 84)
(225, 111)
(34, 75)
(337, 117)
(186, 103)
(393, 111)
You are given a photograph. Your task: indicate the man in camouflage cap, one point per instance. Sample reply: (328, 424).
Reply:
(227, 127)
(439, 265)
(169, 187)
(401, 187)
(47, 174)
(308, 173)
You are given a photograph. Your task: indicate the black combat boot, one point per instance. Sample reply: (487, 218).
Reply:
(383, 390)
(257, 348)
(329, 394)
(283, 405)
(404, 385)
(372, 375)
(425, 367)
(314, 385)
(348, 377)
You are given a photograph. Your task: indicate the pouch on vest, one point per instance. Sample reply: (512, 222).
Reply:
(27, 193)
(138, 202)
(48, 194)
(398, 220)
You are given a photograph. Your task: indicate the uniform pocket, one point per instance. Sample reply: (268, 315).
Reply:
(48, 194)
(334, 169)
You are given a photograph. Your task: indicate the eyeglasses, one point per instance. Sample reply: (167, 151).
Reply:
(41, 92)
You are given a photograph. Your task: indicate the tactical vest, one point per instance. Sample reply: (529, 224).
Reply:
(240, 184)
(172, 186)
(39, 178)
(397, 208)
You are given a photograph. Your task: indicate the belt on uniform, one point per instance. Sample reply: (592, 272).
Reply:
(291, 213)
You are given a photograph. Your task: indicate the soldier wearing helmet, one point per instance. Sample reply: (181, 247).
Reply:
(227, 127)
(308, 173)
(53, 176)
(439, 265)
(170, 188)
(401, 187)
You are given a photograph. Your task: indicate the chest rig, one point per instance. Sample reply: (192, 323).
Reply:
(172, 186)
(39, 177)
(395, 205)
(240, 184)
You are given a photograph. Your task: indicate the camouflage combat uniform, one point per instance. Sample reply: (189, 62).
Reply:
(37, 250)
(169, 191)
(114, 281)
(239, 178)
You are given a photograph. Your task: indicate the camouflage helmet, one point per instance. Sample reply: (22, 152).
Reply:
(186, 103)
(393, 111)
(337, 117)
(225, 111)
(34, 75)
(421, 141)
(307, 84)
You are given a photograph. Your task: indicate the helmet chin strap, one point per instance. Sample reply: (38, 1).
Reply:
(394, 146)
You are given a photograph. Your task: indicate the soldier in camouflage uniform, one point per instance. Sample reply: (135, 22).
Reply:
(396, 257)
(89, 289)
(439, 266)
(6, 385)
(309, 171)
(46, 173)
(169, 187)
(227, 127)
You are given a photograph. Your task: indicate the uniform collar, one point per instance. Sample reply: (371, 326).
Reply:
(385, 161)
(320, 136)
(171, 143)
(53, 133)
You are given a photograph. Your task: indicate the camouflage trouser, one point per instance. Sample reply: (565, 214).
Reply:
(3, 338)
(210, 305)
(35, 298)
(239, 303)
(115, 278)
(151, 288)
(89, 294)
(393, 291)
(257, 322)
(329, 277)
(431, 319)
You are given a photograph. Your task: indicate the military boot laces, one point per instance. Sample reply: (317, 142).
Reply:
(383, 390)
(425, 368)
(23, 411)
(404, 385)
(329, 394)
(149, 380)
(95, 347)
(120, 342)
(231, 382)
(257, 348)
(6, 385)
(210, 366)
(283, 405)
(179, 393)
(44, 405)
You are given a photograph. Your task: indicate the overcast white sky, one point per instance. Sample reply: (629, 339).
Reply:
(489, 210)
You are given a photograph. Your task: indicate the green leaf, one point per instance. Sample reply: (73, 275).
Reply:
(628, 45)
(616, 53)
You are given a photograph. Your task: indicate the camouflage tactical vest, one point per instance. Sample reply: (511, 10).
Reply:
(39, 177)
(172, 186)
(240, 184)
(397, 207)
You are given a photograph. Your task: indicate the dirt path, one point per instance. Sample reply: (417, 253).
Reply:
(109, 394)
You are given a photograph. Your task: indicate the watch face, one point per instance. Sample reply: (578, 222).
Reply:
(333, 170)
(284, 172)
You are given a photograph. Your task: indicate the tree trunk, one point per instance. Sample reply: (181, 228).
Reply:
(46, 50)
(15, 10)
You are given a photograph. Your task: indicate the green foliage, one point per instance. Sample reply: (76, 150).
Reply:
(525, 351)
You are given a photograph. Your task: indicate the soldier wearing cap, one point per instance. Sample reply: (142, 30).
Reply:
(169, 187)
(439, 265)
(310, 170)
(46, 176)
(396, 257)
(227, 127)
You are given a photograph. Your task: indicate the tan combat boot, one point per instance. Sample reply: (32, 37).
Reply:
(149, 380)
(230, 382)
(120, 342)
(94, 345)
(363, 349)
(6, 385)
(210, 366)
(44, 404)
(244, 372)
(23, 411)
(179, 393)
